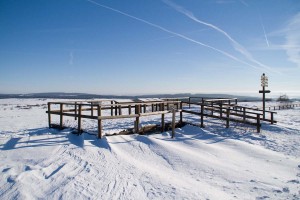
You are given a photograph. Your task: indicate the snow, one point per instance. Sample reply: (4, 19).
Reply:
(210, 163)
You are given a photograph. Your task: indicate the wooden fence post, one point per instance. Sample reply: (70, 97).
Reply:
(258, 122)
(92, 109)
(221, 110)
(61, 115)
(272, 118)
(129, 109)
(111, 108)
(202, 113)
(75, 110)
(181, 112)
(162, 122)
(79, 119)
(120, 110)
(227, 117)
(137, 119)
(116, 109)
(49, 114)
(244, 114)
(189, 102)
(99, 122)
(173, 122)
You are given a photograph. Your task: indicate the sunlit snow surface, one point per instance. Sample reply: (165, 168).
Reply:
(210, 163)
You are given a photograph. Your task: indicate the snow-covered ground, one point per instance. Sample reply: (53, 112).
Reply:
(210, 163)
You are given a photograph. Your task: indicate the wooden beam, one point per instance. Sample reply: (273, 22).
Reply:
(72, 115)
(202, 114)
(181, 120)
(79, 119)
(173, 122)
(227, 118)
(49, 114)
(111, 108)
(75, 110)
(258, 123)
(162, 122)
(99, 122)
(137, 119)
(155, 113)
(119, 116)
(61, 116)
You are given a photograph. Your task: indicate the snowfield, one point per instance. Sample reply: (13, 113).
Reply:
(210, 163)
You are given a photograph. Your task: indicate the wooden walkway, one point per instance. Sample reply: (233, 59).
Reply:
(94, 110)
(223, 109)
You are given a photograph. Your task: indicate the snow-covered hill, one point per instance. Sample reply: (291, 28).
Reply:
(210, 163)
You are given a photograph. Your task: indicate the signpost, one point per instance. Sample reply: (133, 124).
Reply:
(264, 84)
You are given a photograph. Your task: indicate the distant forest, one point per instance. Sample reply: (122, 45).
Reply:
(62, 95)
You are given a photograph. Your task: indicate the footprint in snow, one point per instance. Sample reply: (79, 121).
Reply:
(294, 181)
(10, 180)
(286, 189)
(263, 197)
(6, 169)
(277, 191)
(27, 168)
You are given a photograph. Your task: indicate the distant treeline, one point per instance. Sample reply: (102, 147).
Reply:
(61, 95)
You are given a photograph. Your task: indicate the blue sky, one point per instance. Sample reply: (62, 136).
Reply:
(149, 46)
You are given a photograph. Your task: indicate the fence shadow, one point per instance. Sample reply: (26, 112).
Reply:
(31, 138)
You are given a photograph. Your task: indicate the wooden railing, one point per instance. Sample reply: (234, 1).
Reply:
(135, 110)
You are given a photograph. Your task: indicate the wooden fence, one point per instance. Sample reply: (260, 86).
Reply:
(135, 111)
(282, 107)
(223, 109)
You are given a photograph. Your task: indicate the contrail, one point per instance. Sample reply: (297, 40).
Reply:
(173, 33)
(243, 2)
(263, 27)
(172, 36)
(265, 34)
(236, 45)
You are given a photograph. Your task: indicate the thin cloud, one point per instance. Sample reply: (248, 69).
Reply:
(238, 47)
(225, 1)
(174, 33)
(71, 58)
(244, 3)
(292, 36)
